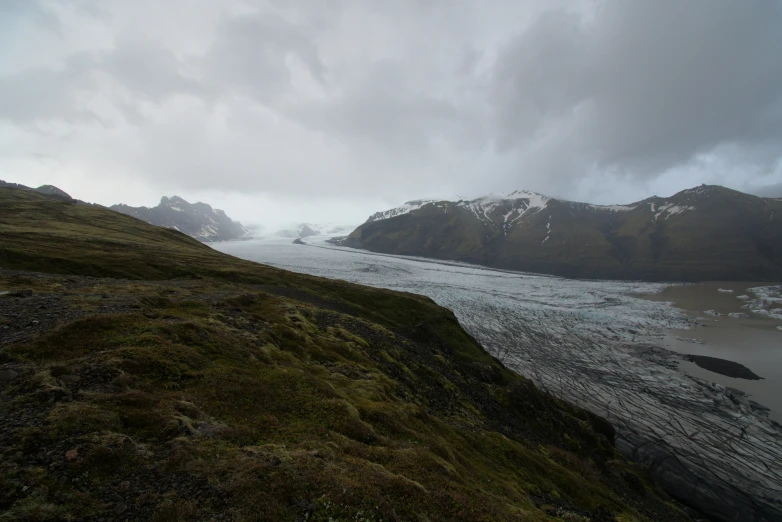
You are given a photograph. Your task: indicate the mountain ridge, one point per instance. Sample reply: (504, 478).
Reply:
(198, 220)
(46, 190)
(707, 232)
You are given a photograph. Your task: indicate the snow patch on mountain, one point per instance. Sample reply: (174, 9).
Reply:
(614, 208)
(670, 209)
(548, 231)
(528, 205)
(402, 209)
(535, 200)
(521, 202)
(699, 191)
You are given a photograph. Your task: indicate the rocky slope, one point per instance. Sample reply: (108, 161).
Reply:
(197, 220)
(145, 376)
(708, 232)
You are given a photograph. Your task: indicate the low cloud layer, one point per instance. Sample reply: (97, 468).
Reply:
(344, 106)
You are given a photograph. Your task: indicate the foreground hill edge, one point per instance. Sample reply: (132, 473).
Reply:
(146, 376)
(198, 220)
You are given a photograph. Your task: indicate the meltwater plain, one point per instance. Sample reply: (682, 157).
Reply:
(598, 344)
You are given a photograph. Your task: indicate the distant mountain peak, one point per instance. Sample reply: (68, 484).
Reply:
(198, 220)
(51, 190)
(172, 200)
(701, 191)
(517, 194)
(307, 231)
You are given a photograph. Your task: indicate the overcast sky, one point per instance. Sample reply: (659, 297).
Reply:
(329, 110)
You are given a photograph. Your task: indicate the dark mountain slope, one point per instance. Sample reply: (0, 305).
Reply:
(197, 220)
(709, 232)
(239, 391)
(51, 190)
(48, 190)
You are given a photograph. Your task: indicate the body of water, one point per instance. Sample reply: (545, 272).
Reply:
(753, 341)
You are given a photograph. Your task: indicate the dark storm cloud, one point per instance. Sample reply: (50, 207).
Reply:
(770, 191)
(382, 110)
(148, 73)
(645, 86)
(28, 10)
(404, 99)
(251, 54)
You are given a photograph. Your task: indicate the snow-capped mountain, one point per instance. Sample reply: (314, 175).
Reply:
(197, 220)
(708, 232)
(514, 207)
(403, 209)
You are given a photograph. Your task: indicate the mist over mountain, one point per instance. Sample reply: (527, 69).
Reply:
(304, 230)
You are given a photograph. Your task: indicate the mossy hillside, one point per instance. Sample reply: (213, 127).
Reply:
(40, 233)
(286, 409)
(53, 236)
(250, 393)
